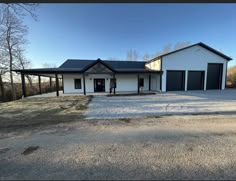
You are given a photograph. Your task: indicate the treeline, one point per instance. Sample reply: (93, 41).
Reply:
(231, 77)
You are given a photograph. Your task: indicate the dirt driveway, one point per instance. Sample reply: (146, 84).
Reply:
(191, 102)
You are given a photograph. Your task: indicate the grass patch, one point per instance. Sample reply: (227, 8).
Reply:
(126, 120)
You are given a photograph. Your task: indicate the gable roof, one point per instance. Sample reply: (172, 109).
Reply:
(200, 44)
(95, 62)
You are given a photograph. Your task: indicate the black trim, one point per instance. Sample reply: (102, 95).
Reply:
(62, 83)
(200, 44)
(115, 82)
(41, 72)
(23, 85)
(138, 83)
(50, 83)
(140, 72)
(84, 84)
(57, 85)
(39, 79)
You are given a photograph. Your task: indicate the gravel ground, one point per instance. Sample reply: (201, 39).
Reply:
(169, 147)
(191, 102)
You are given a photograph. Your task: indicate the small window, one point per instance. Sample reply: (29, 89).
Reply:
(77, 83)
(141, 82)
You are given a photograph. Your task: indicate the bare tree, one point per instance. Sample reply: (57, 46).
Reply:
(21, 62)
(2, 72)
(146, 57)
(180, 45)
(167, 48)
(13, 36)
(132, 55)
(113, 58)
(47, 65)
(23, 9)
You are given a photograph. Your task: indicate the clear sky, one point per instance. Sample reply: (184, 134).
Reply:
(91, 31)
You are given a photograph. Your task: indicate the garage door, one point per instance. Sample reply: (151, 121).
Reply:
(175, 80)
(195, 80)
(214, 76)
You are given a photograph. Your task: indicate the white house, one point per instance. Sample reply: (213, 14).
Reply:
(196, 67)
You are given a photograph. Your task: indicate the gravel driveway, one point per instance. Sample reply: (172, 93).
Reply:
(191, 102)
(169, 147)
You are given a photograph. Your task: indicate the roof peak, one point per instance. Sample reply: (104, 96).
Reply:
(200, 44)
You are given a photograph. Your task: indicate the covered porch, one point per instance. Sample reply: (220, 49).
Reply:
(96, 79)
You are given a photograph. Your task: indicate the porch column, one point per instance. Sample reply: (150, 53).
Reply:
(57, 84)
(40, 91)
(138, 83)
(149, 88)
(50, 83)
(62, 83)
(114, 82)
(84, 85)
(23, 84)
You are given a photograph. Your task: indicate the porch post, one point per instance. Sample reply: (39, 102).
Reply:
(40, 91)
(50, 83)
(114, 82)
(23, 84)
(62, 83)
(149, 88)
(57, 85)
(138, 83)
(84, 84)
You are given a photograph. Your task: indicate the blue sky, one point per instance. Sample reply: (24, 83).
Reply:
(91, 31)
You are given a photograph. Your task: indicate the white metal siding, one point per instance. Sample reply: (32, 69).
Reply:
(155, 82)
(69, 86)
(194, 58)
(125, 82)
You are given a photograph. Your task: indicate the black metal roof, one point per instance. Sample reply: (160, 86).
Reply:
(80, 66)
(114, 64)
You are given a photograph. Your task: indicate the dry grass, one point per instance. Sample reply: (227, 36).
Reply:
(30, 112)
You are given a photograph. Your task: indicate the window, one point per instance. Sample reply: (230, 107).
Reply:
(141, 82)
(77, 83)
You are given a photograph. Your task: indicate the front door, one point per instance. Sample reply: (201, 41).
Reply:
(99, 85)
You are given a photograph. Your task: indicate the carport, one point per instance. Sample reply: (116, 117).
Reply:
(46, 72)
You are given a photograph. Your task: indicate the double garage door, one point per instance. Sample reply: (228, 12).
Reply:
(176, 79)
